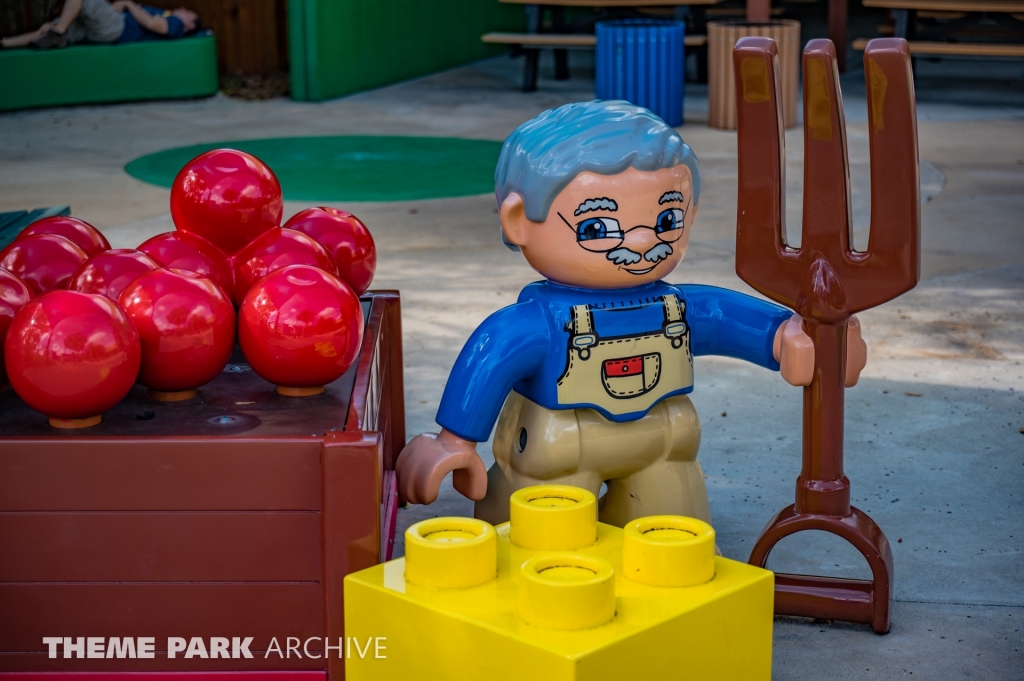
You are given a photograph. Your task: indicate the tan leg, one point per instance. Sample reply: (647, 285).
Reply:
(650, 464)
(663, 488)
(671, 485)
(532, 446)
(494, 507)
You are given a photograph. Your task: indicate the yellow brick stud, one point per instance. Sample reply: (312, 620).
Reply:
(451, 553)
(553, 518)
(668, 550)
(567, 591)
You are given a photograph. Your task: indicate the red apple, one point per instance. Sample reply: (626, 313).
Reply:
(72, 356)
(109, 272)
(346, 239)
(273, 250)
(185, 251)
(300, 328)
(187, 327)
(87, 237)
(226, 196)
(46, 262)
(14, 293)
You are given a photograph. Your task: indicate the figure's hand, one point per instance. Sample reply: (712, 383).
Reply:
(427, 458)
(794, 351)
(120, 5)
(856, 352)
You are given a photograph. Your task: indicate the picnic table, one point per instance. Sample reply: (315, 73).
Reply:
(564, 36)
(965, 13)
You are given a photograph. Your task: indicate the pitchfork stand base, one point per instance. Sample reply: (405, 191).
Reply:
(832, 598)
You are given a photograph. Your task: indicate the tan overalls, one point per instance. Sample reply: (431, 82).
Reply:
(650, 464)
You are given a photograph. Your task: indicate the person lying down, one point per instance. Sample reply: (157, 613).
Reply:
(99, 21)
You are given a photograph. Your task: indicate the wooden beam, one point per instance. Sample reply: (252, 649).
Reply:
(956, 49)
(951, 5)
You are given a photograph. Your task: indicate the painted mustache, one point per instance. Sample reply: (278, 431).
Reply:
(626, 256)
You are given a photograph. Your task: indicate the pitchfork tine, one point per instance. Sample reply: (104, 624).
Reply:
(892, 264)
(762, 258)
(826, 171)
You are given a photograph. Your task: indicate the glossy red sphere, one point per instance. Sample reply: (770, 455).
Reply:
(185, 251)
(273, 250)
(346, 239)
(46, 262)
(300, 327)
(87, 237)
(226, 196)
(71, 355)
(14, 294)
(187, 327)
(109, 272)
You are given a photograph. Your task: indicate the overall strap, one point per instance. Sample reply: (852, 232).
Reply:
(581, 332)
(675, 322)
(582, 321)
(673, 307)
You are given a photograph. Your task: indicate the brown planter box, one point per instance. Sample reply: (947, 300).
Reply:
(722, 37)
(236, 513)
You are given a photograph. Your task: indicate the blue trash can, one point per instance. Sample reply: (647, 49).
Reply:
(641, 61)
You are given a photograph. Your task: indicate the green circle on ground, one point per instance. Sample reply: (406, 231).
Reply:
(351, 168)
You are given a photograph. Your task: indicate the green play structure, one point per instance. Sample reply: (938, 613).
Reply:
(336, 47)
(342, 46)
(90, 74)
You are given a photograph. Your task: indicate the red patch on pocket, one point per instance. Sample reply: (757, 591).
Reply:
(630, 366)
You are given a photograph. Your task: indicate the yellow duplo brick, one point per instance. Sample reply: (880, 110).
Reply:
(718, 629)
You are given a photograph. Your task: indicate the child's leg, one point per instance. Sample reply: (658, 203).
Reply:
(671, 485)
(24, 39)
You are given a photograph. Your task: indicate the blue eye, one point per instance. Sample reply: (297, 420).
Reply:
(598, 228)
(668, 220)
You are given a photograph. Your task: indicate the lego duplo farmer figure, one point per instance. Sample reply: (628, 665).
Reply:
(594, 363)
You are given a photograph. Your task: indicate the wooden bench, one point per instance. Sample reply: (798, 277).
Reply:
(564, 35)
(532, 43)
(963, 12)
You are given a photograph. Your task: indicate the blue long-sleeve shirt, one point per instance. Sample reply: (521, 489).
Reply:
(525, 346)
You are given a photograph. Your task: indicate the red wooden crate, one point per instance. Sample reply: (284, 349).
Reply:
(236, 513)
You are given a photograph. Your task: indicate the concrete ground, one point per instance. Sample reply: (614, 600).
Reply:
(939, 410)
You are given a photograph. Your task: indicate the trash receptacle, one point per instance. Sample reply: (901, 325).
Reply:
(722, 37)
(641, 61)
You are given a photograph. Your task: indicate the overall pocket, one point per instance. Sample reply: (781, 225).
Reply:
(631, 376)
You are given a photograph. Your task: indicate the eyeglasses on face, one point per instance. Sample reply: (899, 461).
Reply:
(601, 234)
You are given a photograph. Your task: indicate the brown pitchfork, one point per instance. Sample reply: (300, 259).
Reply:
(826, 281)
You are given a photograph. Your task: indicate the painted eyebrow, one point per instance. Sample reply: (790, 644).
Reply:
(596, 204)
(671, 196)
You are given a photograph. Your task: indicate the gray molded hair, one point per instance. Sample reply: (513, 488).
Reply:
(543, 155)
